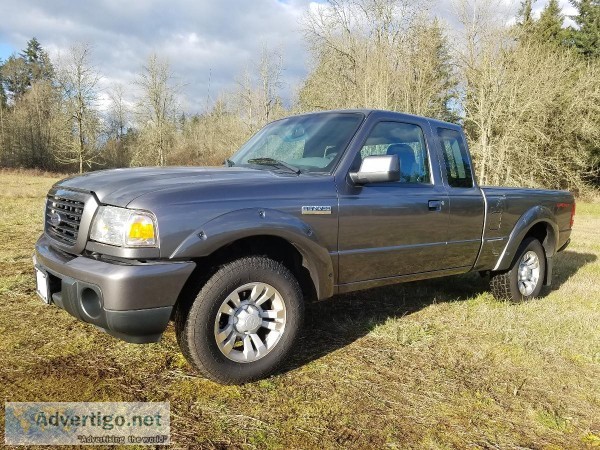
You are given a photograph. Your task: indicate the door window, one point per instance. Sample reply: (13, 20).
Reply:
(404, 140)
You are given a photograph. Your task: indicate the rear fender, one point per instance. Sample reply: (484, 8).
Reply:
(535, 215)
(235, 225)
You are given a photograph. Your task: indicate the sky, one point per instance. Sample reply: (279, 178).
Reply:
(207, 42)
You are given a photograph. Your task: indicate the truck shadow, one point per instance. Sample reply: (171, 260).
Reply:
(567, 264)
(337, 322)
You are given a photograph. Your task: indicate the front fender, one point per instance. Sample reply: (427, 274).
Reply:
(532, 217)
(235, 225)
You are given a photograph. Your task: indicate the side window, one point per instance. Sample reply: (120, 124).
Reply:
(456, 158)
(405, 140)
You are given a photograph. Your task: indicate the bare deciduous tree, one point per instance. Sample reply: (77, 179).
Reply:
(384, 54)
(156, 112)
(524, 102)
(78, 81)
(257, 98)
(118, 115)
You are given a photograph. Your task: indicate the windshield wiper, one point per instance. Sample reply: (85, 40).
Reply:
(274, 163)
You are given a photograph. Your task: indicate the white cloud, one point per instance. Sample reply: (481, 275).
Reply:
(202, 40)
(207, 42)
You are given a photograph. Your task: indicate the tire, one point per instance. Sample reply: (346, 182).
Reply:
(512, 286)
(219, 331)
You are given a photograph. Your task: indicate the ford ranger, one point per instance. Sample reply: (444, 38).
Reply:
(311, 206)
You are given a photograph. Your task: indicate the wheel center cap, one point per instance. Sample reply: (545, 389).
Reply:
(248, 320)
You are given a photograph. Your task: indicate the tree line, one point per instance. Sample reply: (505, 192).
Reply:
(527, 94)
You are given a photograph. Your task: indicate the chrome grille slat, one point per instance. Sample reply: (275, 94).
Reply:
(70, 212)
(73, 223)
(62, 237)
(68, 205)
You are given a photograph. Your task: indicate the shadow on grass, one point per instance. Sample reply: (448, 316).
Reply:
(337, 322)
(567, 264)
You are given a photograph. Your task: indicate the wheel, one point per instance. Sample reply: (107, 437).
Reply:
(524, 280)
(243, 322)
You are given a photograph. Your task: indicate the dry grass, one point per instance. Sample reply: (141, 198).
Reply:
(432, 365)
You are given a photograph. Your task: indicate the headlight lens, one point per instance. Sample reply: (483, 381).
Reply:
(124, 227)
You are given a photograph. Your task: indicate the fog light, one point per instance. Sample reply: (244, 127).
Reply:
(90, 302)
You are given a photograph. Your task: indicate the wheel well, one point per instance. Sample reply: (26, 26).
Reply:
(543, 233)
(273, 247)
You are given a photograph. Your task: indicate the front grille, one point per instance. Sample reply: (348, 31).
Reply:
(63, 216)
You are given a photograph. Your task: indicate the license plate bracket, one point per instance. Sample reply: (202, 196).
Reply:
(42, 285)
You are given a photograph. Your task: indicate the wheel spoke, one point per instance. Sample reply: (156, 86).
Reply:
(274, 326)
(228, 345)
(226, 309)
(261, 293)
(272, 314)
(234, 298)
(256, 291)
(248, 349)
(258, 343)
(222, 335)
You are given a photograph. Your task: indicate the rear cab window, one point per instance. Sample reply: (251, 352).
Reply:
(456, 158)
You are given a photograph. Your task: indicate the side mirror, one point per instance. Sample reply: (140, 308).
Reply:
(377, 169)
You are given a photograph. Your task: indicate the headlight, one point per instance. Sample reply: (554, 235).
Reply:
(124, 227)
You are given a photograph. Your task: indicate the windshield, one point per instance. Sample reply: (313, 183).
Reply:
(311, 143)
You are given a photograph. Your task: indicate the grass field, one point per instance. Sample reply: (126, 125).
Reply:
(428, 365)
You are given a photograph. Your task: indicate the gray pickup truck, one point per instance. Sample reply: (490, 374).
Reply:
(311, 206)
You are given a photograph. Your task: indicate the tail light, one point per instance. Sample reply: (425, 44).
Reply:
(572, 215)
(567, 205)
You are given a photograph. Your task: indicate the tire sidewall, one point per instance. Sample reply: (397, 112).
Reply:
(534, 245)
(204, 311)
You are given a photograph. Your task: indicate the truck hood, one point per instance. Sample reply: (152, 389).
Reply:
(120, 187)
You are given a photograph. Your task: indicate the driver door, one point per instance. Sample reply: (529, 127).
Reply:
(394, 228)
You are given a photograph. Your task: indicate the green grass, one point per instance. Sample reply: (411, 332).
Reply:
(434, 365)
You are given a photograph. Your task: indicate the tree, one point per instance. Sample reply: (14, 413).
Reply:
(548, 28)
(156, 111)
(118, 114)
(525, 16)
(38, 62)
(20, 72)
(2, 109)
(2, 91)
(256, 99)
(587, 37)
(15, 77)
(385, 54)
(116, 150)
(28, 129)
(78, 81)
(530, 108)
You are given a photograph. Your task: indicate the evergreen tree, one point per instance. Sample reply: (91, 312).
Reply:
(21, 71)
(587, 37)
(2, 91)
(15, 77)
(38, 62)
(525, 17)
(549, 26)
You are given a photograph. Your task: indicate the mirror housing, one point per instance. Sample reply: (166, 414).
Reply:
(377, 169)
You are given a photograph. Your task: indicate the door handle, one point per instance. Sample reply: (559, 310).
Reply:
(435, 205)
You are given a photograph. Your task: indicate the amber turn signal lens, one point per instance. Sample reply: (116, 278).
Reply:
(141, 231)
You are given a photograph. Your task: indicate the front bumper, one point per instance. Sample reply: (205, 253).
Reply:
(130, 301)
